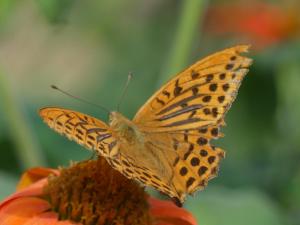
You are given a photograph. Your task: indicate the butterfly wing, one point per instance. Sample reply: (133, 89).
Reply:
(192, 165)
(198, 96)
(187, 112)
(83, 129)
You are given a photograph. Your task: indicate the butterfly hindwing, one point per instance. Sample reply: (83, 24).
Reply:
(193, 161)
(198, 160)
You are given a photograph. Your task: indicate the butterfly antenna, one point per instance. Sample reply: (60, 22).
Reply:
(124, 90)
(79, 99)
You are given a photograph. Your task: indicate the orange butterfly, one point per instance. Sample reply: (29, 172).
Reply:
(167, 144)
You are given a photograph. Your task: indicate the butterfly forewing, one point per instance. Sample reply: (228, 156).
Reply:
(85, 130)
(197, 97)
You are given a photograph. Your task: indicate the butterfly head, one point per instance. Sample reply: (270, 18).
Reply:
(123, 126)
(117, 121)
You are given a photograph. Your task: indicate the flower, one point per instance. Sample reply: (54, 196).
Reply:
(86, 193)
(263, 24)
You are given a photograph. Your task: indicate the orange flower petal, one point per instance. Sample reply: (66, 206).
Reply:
(19, 211)
(33, 175)
(166, 213)
(48, 218)
(33, 190)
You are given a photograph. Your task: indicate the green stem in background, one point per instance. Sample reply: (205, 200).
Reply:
(26, 146)
(189, 24)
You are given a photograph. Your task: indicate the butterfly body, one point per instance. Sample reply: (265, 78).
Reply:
(134, 143)
(167, 144)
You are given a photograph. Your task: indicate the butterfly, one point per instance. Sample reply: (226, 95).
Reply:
(167, 143)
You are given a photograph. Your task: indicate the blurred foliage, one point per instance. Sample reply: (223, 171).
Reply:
(27, 151)
(88, 48)
(242, 206)
(189, 24)
(5, 8)
(7, 183)
(56, 11)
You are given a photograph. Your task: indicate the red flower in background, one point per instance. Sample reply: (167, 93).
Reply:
(32, 204)
(262, 24)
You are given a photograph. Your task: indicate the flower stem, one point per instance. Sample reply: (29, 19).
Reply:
(25, 144)
(189, 23)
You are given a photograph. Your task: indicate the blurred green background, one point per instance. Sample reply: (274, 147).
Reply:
(89, 47)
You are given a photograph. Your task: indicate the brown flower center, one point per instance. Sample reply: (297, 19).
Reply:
(93, 193)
